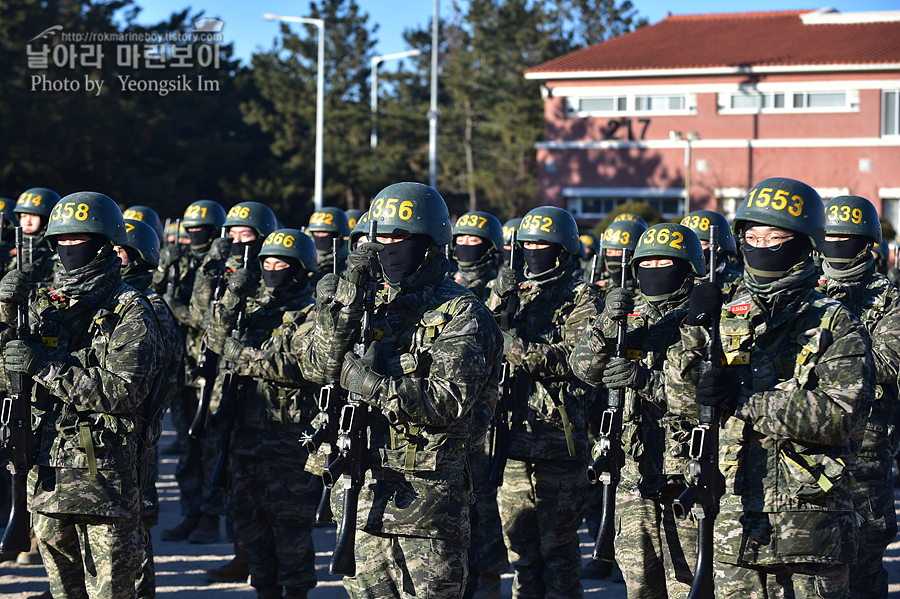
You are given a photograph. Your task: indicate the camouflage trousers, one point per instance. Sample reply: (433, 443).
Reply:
(408, 568)
(146, 578)
(487, 553)
(145, 582)
(542, 504)
(195, 469)
(272, 505)
(656, 551)
(90, 556)
(784, 581)
(873, 497)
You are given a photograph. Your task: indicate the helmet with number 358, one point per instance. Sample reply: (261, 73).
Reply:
(87, 212)
(290, 243)
(786, 204)
(412, 208)
(549, 224)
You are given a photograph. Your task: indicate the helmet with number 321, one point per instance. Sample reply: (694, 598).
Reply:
(87, 212)
(549, 224)
(290, 243)
(786, 204)
(852, 215)
(412, 208)
(668, 240)
(258, 217)
(37, 200)
(480, 224)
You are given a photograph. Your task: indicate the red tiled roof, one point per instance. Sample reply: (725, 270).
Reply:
(734, 40)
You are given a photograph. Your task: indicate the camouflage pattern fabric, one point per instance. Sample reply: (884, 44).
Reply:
(728, 276)
(798, 581)
(475, 278)
(786, 451)
(39, 261)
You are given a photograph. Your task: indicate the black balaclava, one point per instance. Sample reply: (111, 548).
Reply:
(470, 254)
(519, 259)
(201, 236)
(237, 247)
(659, 284)
(765, 266)
(80, 254)
(276, 278)
(542, 263)
(844, 254)
(324, 243)
(401, 259)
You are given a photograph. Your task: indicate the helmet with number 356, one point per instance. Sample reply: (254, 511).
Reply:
(549, 224)
(87, 212)
(290, 243)
(852, 215)
(786, 204)
(412, 208)
(258, 217)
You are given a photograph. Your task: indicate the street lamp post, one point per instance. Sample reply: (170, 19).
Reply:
(433, 113)
(687, 138)
(373, 139)
(320, 96)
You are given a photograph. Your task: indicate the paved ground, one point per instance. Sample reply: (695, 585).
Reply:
(180, 566)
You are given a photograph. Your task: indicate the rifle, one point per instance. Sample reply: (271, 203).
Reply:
(170, 287)
(499, 432)
(606, 467)
(207, 366)
(593, 276)
(165, 239)
(16, 435)
(352, 446)
(330, 401)
(707, 486)
(229, 404)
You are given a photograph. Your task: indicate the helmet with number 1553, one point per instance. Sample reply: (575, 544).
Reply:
(87, 212)
(786, 204)
(412, 208)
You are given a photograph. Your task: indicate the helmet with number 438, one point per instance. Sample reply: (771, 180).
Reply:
(412, 208)
(87, 212)
(786, 204)
(290, 243)
(668, 240)
(699, 222)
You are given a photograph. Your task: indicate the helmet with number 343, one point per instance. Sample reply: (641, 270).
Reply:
(87, 212)
(290, 243)
(412, 208)
(786, 204)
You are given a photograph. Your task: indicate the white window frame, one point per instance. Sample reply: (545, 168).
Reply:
(573, 105)
(851, 101)
(654, 197)
(883, 111)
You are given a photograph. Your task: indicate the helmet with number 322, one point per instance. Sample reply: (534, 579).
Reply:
(87, 212)
(668, 240)
(480, 224)
(37, 200)
(290, 243)
(412, 208)
(549, 224)
(786, 204)
(330, 220)
(852, 215)
(258, 217)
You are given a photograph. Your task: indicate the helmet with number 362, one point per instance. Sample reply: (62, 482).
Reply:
(852, 215)
(412, 208)
(87, 212)
(668, 240)
(37, 200)
(290, 243)
(258, 217)
(786, 204)
(549, 224)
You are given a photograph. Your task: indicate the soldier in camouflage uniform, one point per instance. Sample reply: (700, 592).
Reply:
(592, 264)
(96, 365)
(542, 499)
(651, 545)
(727, 274)
(33, 209)
(508, 228)
(619, 235)
(10, 222)
(140, 259)
(431, 384)
(324, 226)
(794, 395)
(477, 244)
(146, 215)
(852, 227)
(272, 500)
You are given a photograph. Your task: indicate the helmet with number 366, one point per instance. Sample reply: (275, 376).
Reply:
(87, 212)
(852, 215)
(549, 224)
(412, 208)
(290, 243)
(786, 204)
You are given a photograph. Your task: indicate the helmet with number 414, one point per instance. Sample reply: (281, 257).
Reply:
(414, 209)
(87, 212)
(290, 243)
(786, 204)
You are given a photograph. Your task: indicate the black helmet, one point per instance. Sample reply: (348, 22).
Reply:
(290, 243)
(258, 217)
(590, 242)
(668, 240)
(508, 228)
(204, 212)
(360, 228)
(852, 215)
(699, 222)
(145, 214)
(623, 235)
(37, 200)
(412, 208)
(330, 220)
(786, 204)
(549, 224)
(87, 212)
(9, 215)
(353, 216)
(143, 239)
(480, 224)
(630, 217)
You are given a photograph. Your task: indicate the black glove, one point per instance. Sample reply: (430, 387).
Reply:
(24, 356)
(622, 373)
(619, 303)
(357, 375)
(220, 249)
(243, 282)
(505, 284)
(705, 304)
(362, 263)
(14, 287)
(326, 288)
(232, 350)
(718, 388)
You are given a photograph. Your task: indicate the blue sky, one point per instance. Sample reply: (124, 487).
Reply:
(245, 26)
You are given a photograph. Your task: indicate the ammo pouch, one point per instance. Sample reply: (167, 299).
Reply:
(407, 456)
(806, 474)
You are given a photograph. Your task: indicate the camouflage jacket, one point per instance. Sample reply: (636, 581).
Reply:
(786, 450)
(476, 278)
(277, 403)
(214, 271)
(39, 261)
(440, 350)
(548, 418)
(89, 396)
(876, 301)
(728, 277)
(654, 441)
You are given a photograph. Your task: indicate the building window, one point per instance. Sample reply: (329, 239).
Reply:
(753, 101)
(890, 112)
(597, 203)
(638, 105)
(890, 211)
(659, 103)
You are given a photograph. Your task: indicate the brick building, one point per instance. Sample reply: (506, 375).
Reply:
(716, 103)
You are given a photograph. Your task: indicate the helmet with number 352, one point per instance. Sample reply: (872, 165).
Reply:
(258, 217)
(87, 212)
(668, 240)
(412, 208)
(549, 224)
(786, 204)
(37, 200)
(852, 215)
(290, 243)
(480, 224)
